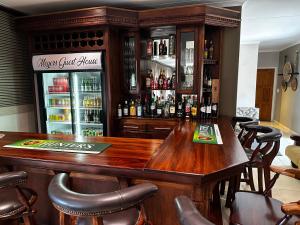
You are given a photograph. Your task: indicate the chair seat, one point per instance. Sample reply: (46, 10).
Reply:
(252, 208)
(127, 217)
(293, 152)
(11, 208)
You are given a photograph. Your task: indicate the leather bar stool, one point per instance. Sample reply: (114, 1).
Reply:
(187, 212)
(114, 208)
(17, 206)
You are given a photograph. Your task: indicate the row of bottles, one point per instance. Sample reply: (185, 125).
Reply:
(91, 116)
(89, 84)
(208, 109)
(92, 132)
(61, 117)
(91, 102)
(60, 85)
(208, 50)
(161, 48)
(160, 82)
(59, 102)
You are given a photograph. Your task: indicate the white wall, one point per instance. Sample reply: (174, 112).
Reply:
(270, 60)
(18, 118)
(246, 88)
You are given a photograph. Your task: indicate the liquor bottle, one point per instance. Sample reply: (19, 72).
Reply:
(169, 83)
(211, 50)
(159, 108)
(165, 52)
(152, 81)
(205, 80)
(82, 86)
(167, 109)
(132, 82)
(172, 44)
(119, 111)
(149, 47)
(86, 117)
(202, 109)
(148, 79)
(165, 81)
(156, 84)
(155, 48)
(95, 84)
(209, 81)
(161, 47)
(160, 80)
(208, 109)
(187, 108)
(125, 109)
(139, 108)
(194, 108)
(172, 108)
(153, 106)
(132, 111)
(179, 110)
(205, 54)
(214, 110)
(173, 81)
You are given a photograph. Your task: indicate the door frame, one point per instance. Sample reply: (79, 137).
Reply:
(274, 87)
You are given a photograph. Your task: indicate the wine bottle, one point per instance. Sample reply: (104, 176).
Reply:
(165, 51)
(161, 47)
(139, 108)
(119, 111)
(211, 50)
(172, 108)
(205, 54)
(125, 109)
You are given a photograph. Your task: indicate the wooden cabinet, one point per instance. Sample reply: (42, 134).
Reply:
(147, 127)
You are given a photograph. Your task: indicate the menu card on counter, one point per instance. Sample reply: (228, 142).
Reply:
(207, 134)
(61, 146)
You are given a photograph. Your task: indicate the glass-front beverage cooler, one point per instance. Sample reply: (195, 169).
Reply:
(71, 102)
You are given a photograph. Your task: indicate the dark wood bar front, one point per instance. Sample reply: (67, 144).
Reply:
(176, 165)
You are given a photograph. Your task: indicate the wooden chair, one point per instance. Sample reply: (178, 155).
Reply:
(267, 140)
(293, 151)
(118, 207)
(17, 207)
(187, 212)
(251, 208)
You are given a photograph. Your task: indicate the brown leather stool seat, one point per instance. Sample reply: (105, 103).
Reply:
(263, 210)
(113, 208)
(18, 204)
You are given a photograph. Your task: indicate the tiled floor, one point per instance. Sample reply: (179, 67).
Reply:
(286, 189)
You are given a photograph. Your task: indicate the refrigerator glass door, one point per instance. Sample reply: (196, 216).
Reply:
(57, 103)
(87, 103)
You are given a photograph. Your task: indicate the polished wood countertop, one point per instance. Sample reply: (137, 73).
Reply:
(176, 157)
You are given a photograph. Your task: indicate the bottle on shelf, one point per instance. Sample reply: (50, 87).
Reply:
(167, 109)
(194, 108)
(209, 81)
(187, 108)
(153, 106)
(202, 109)
(119, 111)
(139, 108)
(161, 47)
(208, 108)
(179, 110)
(132, 109)
(82, 86)
(159, 110)
(149, 47)
(125, 109)
(211, 50)
(172, 44)
(156, 85)
(214, 110)
(155, 48)
(152, 81)
(148, 79)
(160, 80)
(205, 53)
(173, 80)
(132, 81)
(172, 108)
(205, 80)
(165, 51)
(165, 81)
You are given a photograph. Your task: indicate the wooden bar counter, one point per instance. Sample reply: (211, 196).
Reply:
(176, 165)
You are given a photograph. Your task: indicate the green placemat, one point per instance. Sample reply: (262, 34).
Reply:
(207, 134)
(61, 146)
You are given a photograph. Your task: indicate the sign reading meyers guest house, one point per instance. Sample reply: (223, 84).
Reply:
(72, 61)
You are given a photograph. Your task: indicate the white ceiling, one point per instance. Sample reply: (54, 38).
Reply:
(274, 24)
(43, 6)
